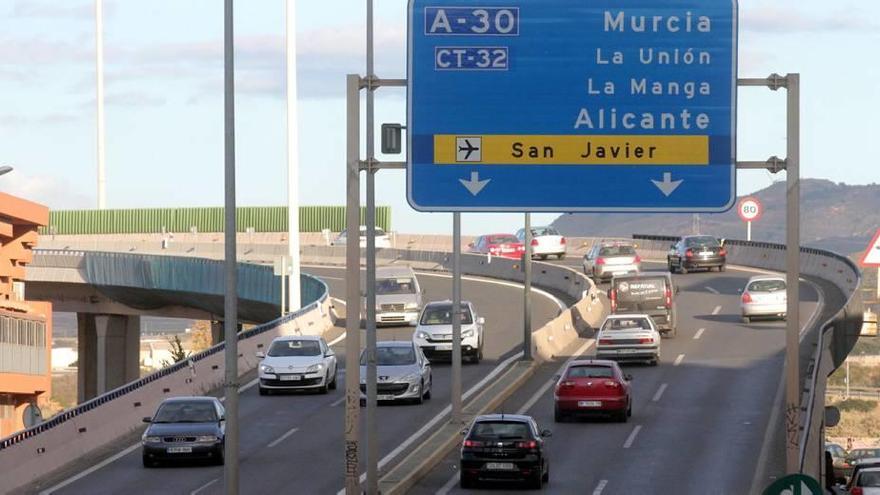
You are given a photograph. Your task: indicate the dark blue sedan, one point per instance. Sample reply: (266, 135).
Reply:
(185, 428)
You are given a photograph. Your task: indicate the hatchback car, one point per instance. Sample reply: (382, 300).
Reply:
(592, 387)
(764, 296)
(185, 428)
(865, 481)
(297, 362)
(504, 447)
(433, 334)
(696, 251)
(606, 260)
(503, 245)
(398, 296)
(382, 238)
(629, 338)
(546, 242)
(403, 373)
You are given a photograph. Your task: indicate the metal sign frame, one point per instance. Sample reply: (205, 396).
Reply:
(874, 244)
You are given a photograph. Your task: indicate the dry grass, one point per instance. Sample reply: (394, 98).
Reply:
(856, 423)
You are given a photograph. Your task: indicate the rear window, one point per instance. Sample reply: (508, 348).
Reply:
(609, 251)
(502, 239)
(641, 289)
(626, 324)
(500, 430)
(869, 479)
(592, 371)
(766, 285)
(539, 231)
(702, 241)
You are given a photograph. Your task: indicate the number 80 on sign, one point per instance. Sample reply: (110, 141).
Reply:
(750, 209)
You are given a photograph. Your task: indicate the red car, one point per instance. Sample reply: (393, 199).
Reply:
(593, 387)
(504, 245)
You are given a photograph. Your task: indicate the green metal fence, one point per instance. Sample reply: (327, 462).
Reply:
(209, 219)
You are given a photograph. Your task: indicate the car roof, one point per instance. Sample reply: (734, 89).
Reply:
(502, 417)
(286, 338)
(394, 271)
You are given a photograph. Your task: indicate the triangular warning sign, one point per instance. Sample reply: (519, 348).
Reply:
(872, 255)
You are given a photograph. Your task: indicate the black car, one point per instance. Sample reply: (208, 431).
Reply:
(696, 251)
(504, 447)
(185, 428)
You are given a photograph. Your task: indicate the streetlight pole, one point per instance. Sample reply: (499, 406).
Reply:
(99, 72)
(292, 162)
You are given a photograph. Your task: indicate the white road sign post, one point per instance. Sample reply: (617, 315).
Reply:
(750, 210)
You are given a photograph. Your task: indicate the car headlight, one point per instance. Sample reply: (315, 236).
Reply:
(467, 333)
(423, 335)
(266, 369)
(315, 368)
(152, 439)
(206, 438)
(412, 305)
(412, 377)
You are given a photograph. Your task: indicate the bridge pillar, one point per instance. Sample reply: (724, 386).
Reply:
(217, 331)
(109, 352)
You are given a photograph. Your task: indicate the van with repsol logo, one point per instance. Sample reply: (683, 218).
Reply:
(650, 293)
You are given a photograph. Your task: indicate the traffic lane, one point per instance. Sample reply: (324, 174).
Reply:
(657, 396)
(261, 426)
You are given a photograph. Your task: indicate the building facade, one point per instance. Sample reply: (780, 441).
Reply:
(25, 326)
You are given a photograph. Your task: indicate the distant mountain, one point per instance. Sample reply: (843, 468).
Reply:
(834, 216)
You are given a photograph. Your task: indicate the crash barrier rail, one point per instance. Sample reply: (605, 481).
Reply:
(854, 393)
(837, 336)
(36, 451)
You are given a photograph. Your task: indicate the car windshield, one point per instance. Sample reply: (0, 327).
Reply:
(766, 286)
(836, 450)
(702, 241)
(186, 412)
(442, 315)
(869, 479)
(626, 324)
(640, 289)
(388, 286)
(498, 430)
(290, 348)
(392, 356)
(539, 231)
(502, 239)
(610, 251)
(591, 371)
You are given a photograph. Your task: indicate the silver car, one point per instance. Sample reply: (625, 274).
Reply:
(764, 296)
(398, 296)
(629, 338)
(608, 259)
(403, 373)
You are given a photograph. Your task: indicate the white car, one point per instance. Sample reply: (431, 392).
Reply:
(434, 332)
(297, 362)
(764, 296)
(383, 240)
(629, 338)
(865, 482)
(546, 242)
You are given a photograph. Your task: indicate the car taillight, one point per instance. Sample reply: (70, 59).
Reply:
(637, 260)
(747, 298)
(531, 444)
(472, 443)
(689, 253)
(534, 242)
(600, 261)
(493, 250)
(613, 300)
(562, 241)
(646, 340)
(857, 490)
(722, 252)
(606, 342)
(668, 298)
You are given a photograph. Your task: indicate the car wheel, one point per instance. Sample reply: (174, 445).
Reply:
(334, 382)
(323, 388)
(655, 361)
(220, 459)
(683, 269)
(558, 416)
(672, 332)
(746, 319)
(363, 402)
(721, 268)
(430, 387)
(561, 256)
(421, 398)
(148, 463)
(537, 481)
(543, 257)
(465, 480)
(264, 391)
(629, 410)
(669, 267)
(546, 477)
(622, 417)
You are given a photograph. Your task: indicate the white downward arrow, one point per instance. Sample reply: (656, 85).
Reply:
(475, 185)
(667, 186)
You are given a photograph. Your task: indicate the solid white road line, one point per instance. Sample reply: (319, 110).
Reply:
(436, 419)
(83, 474)
(678, 360)
(632, 437)
(600, 487)
(206, 485)
(699, 333)
(713, 291)
(282, 437)
(660, 392)
(546, 294)
(716, 310)
(337, 340)
(541, 391)
(338, 401)
(449, 485)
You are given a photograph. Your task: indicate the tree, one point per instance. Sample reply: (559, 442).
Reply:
(178, 353)
(201, 335)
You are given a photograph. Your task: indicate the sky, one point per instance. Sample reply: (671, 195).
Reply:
(164, 100)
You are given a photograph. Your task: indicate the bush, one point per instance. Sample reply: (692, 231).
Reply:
(856, 405)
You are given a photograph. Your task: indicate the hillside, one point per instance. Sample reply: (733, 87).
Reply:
(834, 216)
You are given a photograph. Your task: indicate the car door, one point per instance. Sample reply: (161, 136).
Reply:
(588, 259)
(329, 358)
(425, 366)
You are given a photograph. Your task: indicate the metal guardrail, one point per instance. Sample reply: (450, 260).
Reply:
(69, 414)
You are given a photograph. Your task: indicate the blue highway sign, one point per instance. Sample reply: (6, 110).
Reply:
(566, 105)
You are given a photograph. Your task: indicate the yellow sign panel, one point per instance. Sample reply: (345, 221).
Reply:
(451, 149)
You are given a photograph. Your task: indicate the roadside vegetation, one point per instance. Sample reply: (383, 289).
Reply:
(858, 419)
(859, 376)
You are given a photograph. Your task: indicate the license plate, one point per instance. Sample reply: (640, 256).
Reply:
(290, 378)
(385, 397)
(500, 466)
(179, 450)
(619, 272)
(589, 403)
(705, 253)
(443, 347)
(628, 351)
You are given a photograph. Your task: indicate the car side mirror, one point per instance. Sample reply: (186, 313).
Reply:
(223, 418)
(556, 378)
(629, 378)
(739, 290)
(329, 353)
(546, 433)
(481, 321)
(463, 432)
(148, 420)
(261, 354)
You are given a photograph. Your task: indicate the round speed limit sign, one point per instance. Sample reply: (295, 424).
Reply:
(750, 209)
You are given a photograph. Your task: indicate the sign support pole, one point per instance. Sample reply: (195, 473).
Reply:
(793, 258)
(456, 318)
(527, 290)
(283, 285)
(352, 288)
(749, 231)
